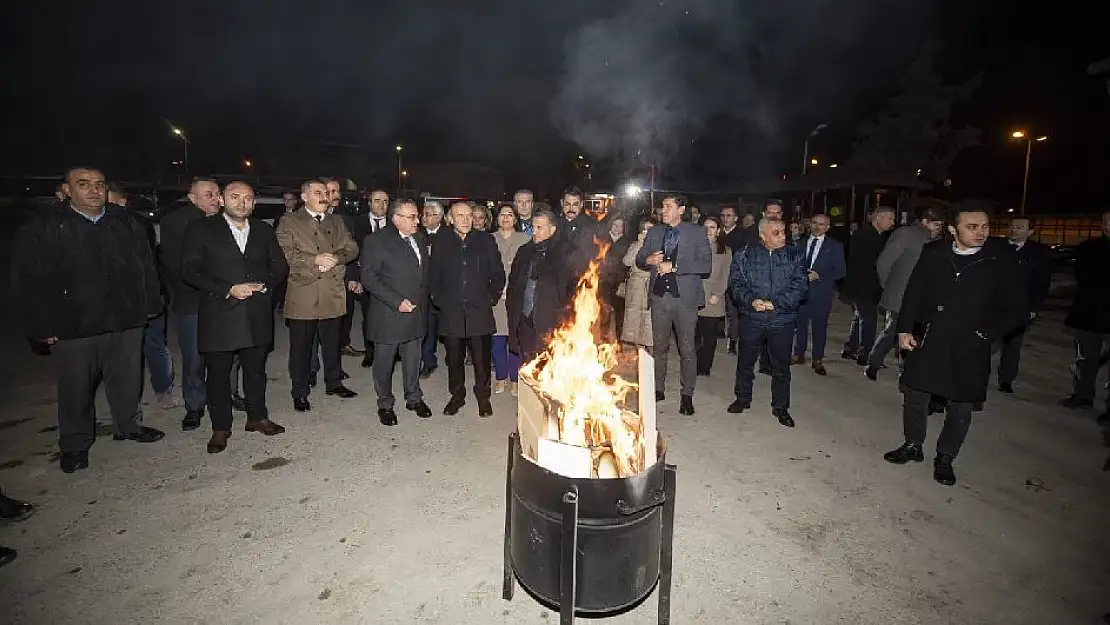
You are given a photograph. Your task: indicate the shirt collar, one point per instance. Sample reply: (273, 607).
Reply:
(968, 252)
(92, 218)
(246, 223)
(313, 214)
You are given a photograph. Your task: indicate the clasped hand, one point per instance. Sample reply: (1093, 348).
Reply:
(763, 305)
(246, 289)
(325, 262)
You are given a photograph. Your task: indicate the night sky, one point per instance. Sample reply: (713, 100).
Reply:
(715, 91)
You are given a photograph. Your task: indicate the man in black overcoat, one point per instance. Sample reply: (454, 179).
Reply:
(962, 296)
(540, 288)
(861, 284)
(235, 262)
(466, 281)
(395, 267)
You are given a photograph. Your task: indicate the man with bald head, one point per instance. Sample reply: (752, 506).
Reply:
(768, 282)
(84, 281)
(823, 257)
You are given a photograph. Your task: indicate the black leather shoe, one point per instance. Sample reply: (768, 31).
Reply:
(367, 361)
(765, 370)
(427, 371)
(848, 355)
(660, 396)
(739, 406)
(1076, 402)
(300, 404)
(862, 360)
(14, 510)
(686, 405)
(420, 408)
(783, 415)
(872, 373)
(238, 403)
(7, 555)
(942, 470)
(387, 416)
(341, 392)
(191, 420)
(904, 454)
(144, 435)
(453, 406)
(1006, 387)
(74, 461)
(485, 408)
(732, 346)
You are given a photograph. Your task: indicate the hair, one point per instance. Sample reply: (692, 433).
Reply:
(965, 210)
(373, 191)
(773, 201)
(311, 181)
(290, 192)
(70, 170)
(731, 208)
(882, 209)
(678, 199)
(721, 247)
(827, 218)
(238, 181)
(766, 221)
(327, 179)
(434, 205)
(644, 225)
(484, 210)
(548, 215)
(931, 213)
(113, 187)
(519, 191)
(573, 190)
(396, 206)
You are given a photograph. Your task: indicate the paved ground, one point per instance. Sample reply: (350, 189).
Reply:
(344, 521)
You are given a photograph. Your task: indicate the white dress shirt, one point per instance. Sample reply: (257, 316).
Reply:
(816, 242)
(415, 248)
(241, 234)
(376, 223)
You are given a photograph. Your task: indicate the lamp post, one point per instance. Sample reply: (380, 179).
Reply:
(1021, 135)
(400, 171)
(185, 144)
(404, 178)
(806, 160)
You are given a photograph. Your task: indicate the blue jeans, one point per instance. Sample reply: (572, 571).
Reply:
(756, 337)
(157, 355)
(505, 363)
(192, 363)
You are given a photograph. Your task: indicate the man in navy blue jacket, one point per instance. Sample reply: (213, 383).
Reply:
(768, 282)
(823, 259)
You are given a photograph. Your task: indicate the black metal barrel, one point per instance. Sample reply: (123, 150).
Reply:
(620, 530)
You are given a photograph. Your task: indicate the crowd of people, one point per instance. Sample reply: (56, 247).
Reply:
(97, 290)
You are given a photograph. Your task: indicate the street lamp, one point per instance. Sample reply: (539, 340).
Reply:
(247, 162)
(813, 161)
(400, 172)
(814, 133)
(832, 166)
(185, 144)
(1021, 135)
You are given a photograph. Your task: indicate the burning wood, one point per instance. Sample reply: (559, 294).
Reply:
(572, 413)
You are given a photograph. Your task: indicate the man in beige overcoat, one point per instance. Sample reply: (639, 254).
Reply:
(317, 247)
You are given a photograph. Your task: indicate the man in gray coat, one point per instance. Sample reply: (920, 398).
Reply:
(895, 264)
(678, 255)
(395, 265)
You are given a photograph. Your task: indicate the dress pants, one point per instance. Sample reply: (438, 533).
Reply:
(362, 302)
(861, 335)
(192, 364)
(431, 340)
(705, 341)
(481, 350)
(157, 355)
(385, 355)
(1011, 355)
(755, 337)
(252, 362)
(301, 333)
(813, 314)
(505, 363)
(885, 341)
(732, 316)
(80, 365)
(915, 421)
(680, 316)
(1088, 351)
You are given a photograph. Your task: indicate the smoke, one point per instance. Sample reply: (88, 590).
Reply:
(641, 85)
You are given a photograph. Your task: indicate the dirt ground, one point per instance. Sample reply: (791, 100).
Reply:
(342, 520)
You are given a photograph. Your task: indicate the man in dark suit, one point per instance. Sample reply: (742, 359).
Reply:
(395, 267)
(466, 281)
(540, 286)
(678, 255)
(377, 218)
(1089, 316)
(861, 284)
(1035, 266)
(431, 222)
(236, 263)
(823, 258)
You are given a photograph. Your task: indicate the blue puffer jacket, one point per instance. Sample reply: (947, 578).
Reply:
(778, 276)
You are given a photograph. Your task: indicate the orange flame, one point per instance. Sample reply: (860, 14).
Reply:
(576, 372)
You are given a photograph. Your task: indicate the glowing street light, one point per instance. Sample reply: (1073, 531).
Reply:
(832, 166)
(400, 172)
(404, 173)
(184, 143)
(632, 190)
(247, 162)
(1021, 135)
(812, 161)
(812, 134)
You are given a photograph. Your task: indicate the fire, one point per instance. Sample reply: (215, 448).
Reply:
(576, 373)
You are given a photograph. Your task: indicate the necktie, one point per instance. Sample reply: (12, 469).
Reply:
(377, 224)
(670, 243)
(320, 218)
(809, 253)
(415, 249)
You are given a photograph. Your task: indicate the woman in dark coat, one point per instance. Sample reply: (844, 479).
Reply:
(466, 280)
(962, 296)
